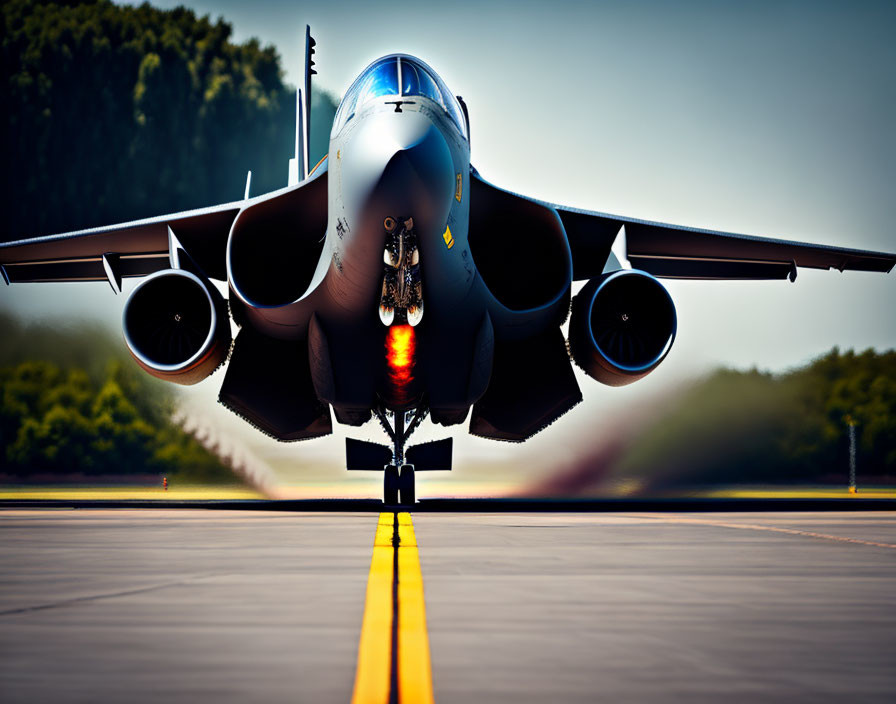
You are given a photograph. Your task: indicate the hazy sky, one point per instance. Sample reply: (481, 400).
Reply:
(772, 118)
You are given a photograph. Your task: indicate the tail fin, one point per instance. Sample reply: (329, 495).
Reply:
(298, 165)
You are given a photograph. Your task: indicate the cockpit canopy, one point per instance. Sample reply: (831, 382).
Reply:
(397, 75)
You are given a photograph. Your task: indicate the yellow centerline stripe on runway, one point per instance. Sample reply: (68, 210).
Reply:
(395, 539)
(414, 670)
(375, 649)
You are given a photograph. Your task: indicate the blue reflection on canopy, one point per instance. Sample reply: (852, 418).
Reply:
(382, 78)
(378, 79)
(416, 81)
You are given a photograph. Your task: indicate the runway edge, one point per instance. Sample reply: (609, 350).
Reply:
(507, 505)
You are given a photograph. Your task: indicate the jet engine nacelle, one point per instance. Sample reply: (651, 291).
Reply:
(622, 326)
(176, 326)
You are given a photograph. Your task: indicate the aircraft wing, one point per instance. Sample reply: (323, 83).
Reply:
(139, 247)
(676, 252)
(672, 251)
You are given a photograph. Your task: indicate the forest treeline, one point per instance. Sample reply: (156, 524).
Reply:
(754, 427)
(70, 404)
(115, 112)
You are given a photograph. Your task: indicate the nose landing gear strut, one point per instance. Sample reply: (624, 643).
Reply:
(398, 481)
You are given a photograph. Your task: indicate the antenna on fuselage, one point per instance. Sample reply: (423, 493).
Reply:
(298, 165)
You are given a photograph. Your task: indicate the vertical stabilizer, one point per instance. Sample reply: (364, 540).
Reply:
(306, 112)
(298, 165)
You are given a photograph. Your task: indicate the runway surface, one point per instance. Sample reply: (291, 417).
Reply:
(189, 605)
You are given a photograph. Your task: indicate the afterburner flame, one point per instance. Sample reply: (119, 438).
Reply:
(400, 346)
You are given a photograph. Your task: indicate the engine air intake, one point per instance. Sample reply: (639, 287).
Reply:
(623, 325)
(176, 326)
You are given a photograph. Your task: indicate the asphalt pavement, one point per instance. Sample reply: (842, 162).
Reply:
(182, 605)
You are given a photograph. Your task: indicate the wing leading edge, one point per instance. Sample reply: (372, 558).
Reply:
(140, 247)
(672, 251)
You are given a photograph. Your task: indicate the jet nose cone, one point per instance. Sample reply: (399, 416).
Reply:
(405, 130)
(400, 164)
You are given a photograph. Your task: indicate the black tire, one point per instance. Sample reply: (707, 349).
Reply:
(390, 485)
(406, 485)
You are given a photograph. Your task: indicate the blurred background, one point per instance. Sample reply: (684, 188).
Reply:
(769, 118)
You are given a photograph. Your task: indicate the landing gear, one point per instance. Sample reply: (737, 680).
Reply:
(398, 483)
(406, 485)
(390, 484)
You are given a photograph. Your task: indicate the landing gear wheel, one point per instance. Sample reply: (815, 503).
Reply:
(390, 485)
(406, 485)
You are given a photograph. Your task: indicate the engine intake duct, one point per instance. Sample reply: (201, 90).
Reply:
(521, 252)
(275, 245)
(623, 325)
(176, 326)
(531, 386)
(268, 384)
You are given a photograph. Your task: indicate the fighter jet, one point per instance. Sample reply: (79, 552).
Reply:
(392, 281)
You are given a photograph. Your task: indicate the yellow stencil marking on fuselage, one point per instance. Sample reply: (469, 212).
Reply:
(448, 237)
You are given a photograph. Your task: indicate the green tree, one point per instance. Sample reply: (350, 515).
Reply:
(114, 112)
(58, 442)
(121, 438)
(755, 427)
(58, 419)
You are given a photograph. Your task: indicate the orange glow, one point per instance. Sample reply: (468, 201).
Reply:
(400, 346)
